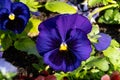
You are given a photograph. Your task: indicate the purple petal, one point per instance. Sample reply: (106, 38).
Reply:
(65, 22)
(79, 44)
(74, 21)
(47, 41)
(5, 4)
(65, 61)
(36, 13)
(3, 17)
(48, 24)
(103, 42)
(7, 67)
(17, 25)
(1, 54)
(21, 11)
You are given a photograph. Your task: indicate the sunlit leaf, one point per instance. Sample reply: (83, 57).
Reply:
(95, 30)
(93, 35)
(111, 16)
(32, 4)
(100, 63)
(114, 43)
(32, 27)
(108, 14)
(94, 2)
(60, 76)
(60, 7)
(113, 53)
(98, 2)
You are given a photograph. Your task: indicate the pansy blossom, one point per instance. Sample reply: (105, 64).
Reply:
(7, 67)
(13, 16)
(103, 42)
(63, 41)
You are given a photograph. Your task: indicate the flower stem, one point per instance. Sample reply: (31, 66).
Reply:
(101, 9)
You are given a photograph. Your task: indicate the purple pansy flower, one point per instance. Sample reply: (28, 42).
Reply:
(6, 67)
(1, 54)
(13, 16)
(103, 42)
(63, 41)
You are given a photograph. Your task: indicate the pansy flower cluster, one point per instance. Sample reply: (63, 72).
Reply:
(62, 41)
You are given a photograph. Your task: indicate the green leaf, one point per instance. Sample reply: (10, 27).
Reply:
(111, 16)
(32, 4)
(102, 64)
(93, 35)
(98, 62)
(60, 7)
(5, 40)
(114, 56)
(27, 45)
(32, 27)
(94, 2)
(114, 43)
(113, 53)
(60, 75)
(97, 2)
(108, 14)
(95, 30)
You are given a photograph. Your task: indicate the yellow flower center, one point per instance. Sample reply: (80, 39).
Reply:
(63, 47)
(11, 16)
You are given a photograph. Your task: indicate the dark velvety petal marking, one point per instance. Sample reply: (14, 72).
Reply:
(73, 66)
(17, 25)
(5, 4)
(47, 41)
(65, 61)
(3, 17)
(53, 59)
(49, 38)
(66, 22)
(79, 44)
(71, 62)
(103, 42)
(21, 11)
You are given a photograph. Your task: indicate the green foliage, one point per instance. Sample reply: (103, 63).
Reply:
(118, 2)
(113, 54)
(32, 27)
(111, 16)
(27, 45)
(39, 66)
(60, 7)
(61, 75)
(98, 62)
(8, 76)
(5, 40)
(92, 3)
(32, 4)
(93, 35)
(1, 76)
